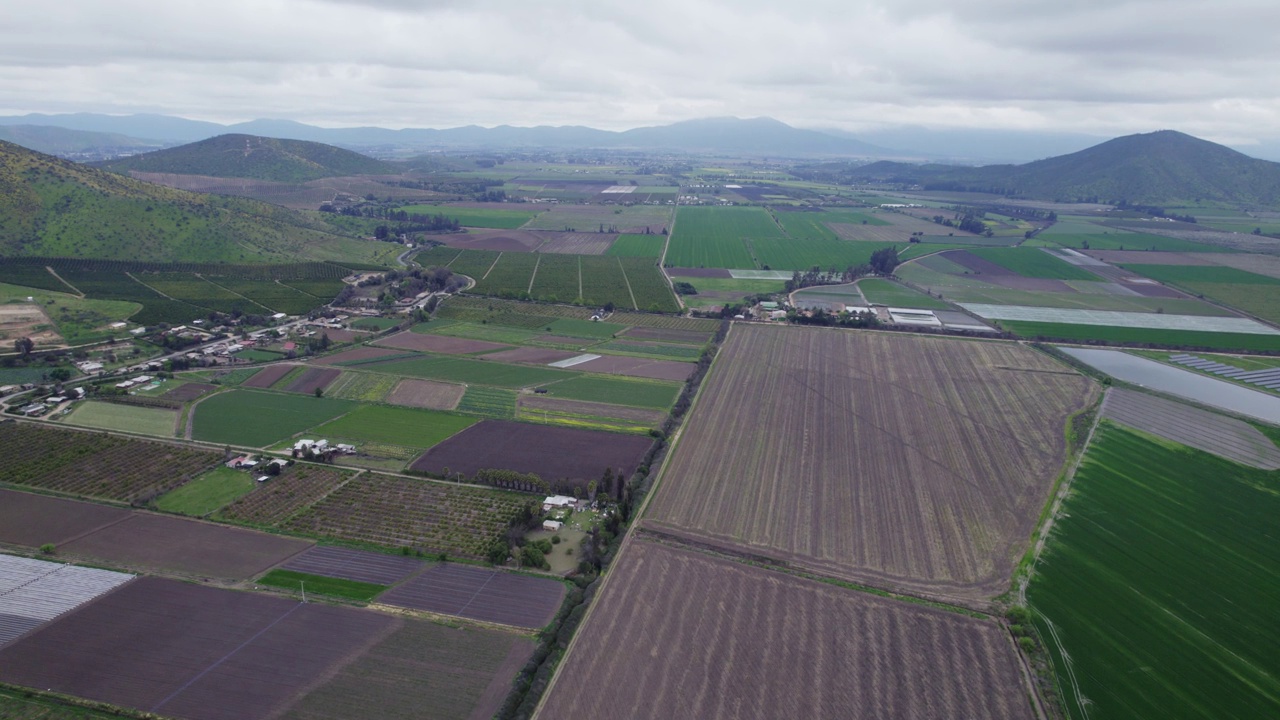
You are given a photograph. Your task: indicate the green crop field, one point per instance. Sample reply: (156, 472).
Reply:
(78, 320)
(617, 391)
(1157, 590)
(666, 351)
(890, 293)
(647, 285)
(1112, 239)
(321, 585)
(593, 280)
(584, 328)
(805, 253)
(126, 418)
(207, 493)
(1033, 263)
(477, 217)
(1252, 293)
(1166, 338)
(466, 370)
(510, 276)
(813, 225)
(637, 246)
(474, 263)
(475, 331)
(405, 427)
(714, 236)
(257, 419)
(488, 402)
(362, 386)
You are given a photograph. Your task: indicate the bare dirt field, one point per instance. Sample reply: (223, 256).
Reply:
(531, 355)
(895, 460)
(483, 594)
(189, 391)
(358, 565)
(313, 379)
(638, 367)
(577, 243)
(426, 394)
(355, 354)
(268, 376)
(423, 671)
(443, 344)
(192, 651)
(157, 542)
(19, 320)
(988, 271)
(340, 335)
(552, 452)
(33, 520)
(704, 637)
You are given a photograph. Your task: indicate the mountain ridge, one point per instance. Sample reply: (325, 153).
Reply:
(236, 155)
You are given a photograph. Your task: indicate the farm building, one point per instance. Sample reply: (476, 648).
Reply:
(552, 525)
(912, 316)
(557, 501)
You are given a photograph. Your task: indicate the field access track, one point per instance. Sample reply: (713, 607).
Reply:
(704, 637)
(33, 592)
(1213, 433)
(358, 565)
(192, 651)
(480, 594)
(894, 460)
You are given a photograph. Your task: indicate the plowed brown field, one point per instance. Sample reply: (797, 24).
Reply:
(701, 637)
(902, 461)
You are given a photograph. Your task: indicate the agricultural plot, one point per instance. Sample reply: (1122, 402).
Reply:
(426, 394)
(586, 218)
(617, 391)
(1252, 293)
(577, 243)
(208, 492)
(312, 379)
(553, 453)
(251, 656)
(125, 418)
(268, 376)
(188, 547)
(741, 641)
(650, 349)
(1032, 263)
(357, 565)
(33, 592)
(481, 594)
(34, 520)
(477, 217)
(511, 275)
(398, 512)
(362, 387)
(647, 246)
(716, 236)
(916, 463)
(95, 465)
(454, 673)
(356, 356)
(687, 337)
(406, 427)
(468, 370)
(189, 391)
(1155, 590)
(285, 495)
(638, 367)
(488, 402)
(257, 419)
(195, 290)
(297, 582)
(1216, 434)
(599, 416)
(438, 344)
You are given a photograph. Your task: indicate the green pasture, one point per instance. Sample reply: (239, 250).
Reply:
(887, 292)
(617, 391)
(125, 418)
(713, 236)
(1033, 263)
(490, 402)
(466, 370)
(257, 419)
(1144, 336)
(637, 246)
(321, 585)
(209, 492)
(1157, 590)
(477, 217)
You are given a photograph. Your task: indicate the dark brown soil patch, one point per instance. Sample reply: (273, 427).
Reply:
(554, 453)
(33, 520)
(481, 594)
(190, 391)
(312, 379)
(688, 337)
(156, 542)
(192, 651)
(699, 272)
(268, 376)
(439, 344)
(354, 354)
(358, 565)
(531, 355)
(973, 263)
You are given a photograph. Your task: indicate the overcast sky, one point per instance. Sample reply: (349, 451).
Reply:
(1103, 67)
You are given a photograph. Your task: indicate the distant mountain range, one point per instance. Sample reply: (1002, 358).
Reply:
(1159, 168)
(53, 207)
(257, 158)
(67, 142)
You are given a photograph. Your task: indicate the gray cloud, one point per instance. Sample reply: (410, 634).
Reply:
(1085, 65)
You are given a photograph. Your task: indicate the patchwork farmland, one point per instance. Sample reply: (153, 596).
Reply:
(700, 636)
(909, 462)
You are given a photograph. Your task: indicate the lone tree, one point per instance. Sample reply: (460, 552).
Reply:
(24, 346)
(884, 261)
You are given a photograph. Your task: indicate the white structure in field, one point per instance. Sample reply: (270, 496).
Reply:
(551, 525)
(557, 501)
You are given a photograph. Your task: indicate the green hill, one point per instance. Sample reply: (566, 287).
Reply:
(54, 208)
(1159, 168)
(256, 158)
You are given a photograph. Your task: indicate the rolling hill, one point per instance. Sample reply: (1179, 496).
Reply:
(52, 207)
(1159, 168)
(255, 158)
(56, 140)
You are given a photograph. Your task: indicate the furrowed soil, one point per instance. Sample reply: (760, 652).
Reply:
(919, 464)
(704, 637)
